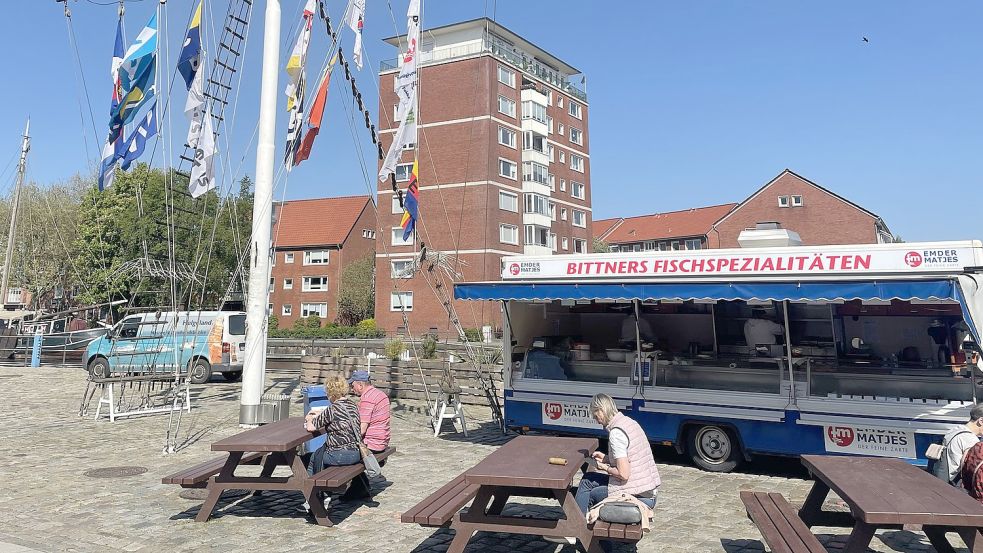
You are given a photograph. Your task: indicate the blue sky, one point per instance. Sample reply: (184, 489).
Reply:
(692, 103)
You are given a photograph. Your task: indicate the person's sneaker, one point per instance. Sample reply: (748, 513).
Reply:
(568, 541)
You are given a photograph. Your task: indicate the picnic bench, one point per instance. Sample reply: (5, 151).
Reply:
(520, 468)
(270, 446)
(881, 493)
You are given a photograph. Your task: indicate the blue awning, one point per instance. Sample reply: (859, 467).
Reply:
(716, 291)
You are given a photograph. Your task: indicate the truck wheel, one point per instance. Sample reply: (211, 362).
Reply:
(201, 371)
(713, 449)
(99, 367)
(232, 376)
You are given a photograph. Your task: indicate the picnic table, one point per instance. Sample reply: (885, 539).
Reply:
(270, 445)
(519, 468)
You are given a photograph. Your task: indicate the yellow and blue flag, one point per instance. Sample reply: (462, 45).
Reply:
(411, 205)
(190, 58)
(114, 144)
(137, 142)
(137, 75)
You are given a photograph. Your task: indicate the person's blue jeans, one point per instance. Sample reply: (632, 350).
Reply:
(593, 489)
(339, 457)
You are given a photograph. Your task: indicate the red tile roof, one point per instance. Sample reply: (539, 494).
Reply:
(661, 226)
(316, 222)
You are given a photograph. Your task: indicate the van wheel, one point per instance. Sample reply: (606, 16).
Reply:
(232, 376)
(201, 371)
(99, 367)
(713, 449)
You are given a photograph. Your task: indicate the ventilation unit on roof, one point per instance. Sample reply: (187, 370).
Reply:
(768, 234)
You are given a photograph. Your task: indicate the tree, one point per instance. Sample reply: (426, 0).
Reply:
(356, 295)
(600, 246)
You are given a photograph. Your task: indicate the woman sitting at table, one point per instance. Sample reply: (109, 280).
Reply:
(343, 430)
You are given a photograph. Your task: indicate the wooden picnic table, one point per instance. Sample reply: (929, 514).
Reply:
(888, 493)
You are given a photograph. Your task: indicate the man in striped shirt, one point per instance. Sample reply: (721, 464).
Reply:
(373, 413)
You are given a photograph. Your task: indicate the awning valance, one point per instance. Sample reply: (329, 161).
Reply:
(716, 291)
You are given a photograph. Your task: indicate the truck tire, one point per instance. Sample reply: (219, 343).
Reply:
(99, 367)
(713, 448)
(200, 371)
(232, 376)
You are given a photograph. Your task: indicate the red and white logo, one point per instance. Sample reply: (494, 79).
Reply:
(553, 410)
(913, 259)
(514, 269)
(842, 436)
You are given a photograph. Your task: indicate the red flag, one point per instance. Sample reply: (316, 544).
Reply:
(314, 119)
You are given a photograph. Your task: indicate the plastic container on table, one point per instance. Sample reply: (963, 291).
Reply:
(315, 397)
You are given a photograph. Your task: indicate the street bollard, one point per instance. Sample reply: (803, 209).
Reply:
(36, 350)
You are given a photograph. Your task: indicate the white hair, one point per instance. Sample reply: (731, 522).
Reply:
(605, 406)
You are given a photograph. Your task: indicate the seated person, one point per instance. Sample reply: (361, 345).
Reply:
(343, 429)
(543, 364)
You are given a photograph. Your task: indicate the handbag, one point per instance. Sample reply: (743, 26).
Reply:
(620, 512)
(372, 468)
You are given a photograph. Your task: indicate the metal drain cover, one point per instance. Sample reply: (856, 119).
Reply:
(115, 472)
(199, 494)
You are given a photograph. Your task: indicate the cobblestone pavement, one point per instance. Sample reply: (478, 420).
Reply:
(47, 503)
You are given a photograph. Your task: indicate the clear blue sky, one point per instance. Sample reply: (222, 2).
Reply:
(692, 103)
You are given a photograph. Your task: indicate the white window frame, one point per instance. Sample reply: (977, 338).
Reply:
(580, 136)
(783, 201)
(269, 309)
(581, 244)
(561, 129)
(397, 237)
(691, 241)
(578, 190)
(513, 174)
(288, 284)
(512, 230)
(306, 311)
(407, 173)
(401, 273)
(559, 101)
(513, 201)
(511, 134)
(509, 76)
(796, 200)
(396, 113)
(286, 310)
(309, 258)
(563, 214)
(308, 286)
(563, 157)
(575, 110)
(510, 105)
(582, 215)
(563, 185)
(397, 302)
(531, 110)
(566, 243)
(369, 234)
(288, 257)
(577, 163)
(396, 208)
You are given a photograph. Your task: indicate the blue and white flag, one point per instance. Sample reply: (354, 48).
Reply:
(137, 75)
(137, 142)
(114, 144)
(189, 60)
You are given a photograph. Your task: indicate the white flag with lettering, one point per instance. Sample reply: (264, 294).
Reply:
(194, 109)
(356, 18)
(406, 83)
(203, 171)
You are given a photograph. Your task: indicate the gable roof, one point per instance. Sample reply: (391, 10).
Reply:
(660, 226)
(316, 222)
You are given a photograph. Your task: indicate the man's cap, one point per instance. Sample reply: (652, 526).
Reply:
(358, 376)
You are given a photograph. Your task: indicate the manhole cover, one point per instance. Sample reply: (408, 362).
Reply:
(115, 472)
(199, 494)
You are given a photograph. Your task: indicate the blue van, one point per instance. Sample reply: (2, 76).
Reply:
(198, 343)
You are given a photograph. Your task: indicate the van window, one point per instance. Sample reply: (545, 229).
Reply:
(237, 325)
(129, 327)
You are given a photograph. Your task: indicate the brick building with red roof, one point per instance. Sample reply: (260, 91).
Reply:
(313, 242)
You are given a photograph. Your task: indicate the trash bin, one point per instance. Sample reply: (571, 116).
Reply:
(280, 406)
(314, 396)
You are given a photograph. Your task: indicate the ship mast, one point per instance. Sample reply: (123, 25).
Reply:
(21, 169)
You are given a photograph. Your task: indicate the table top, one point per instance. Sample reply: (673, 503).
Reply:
(524, 463)
(883, 490)
(279, 436)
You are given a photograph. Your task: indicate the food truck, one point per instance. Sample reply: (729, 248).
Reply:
(857, 349)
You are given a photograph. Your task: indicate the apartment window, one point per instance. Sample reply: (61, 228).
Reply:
(577, 163)
(399, 301)
(694, 244)
(271, 288)
(316, 257)
(312, 309)
(506, 76)
(370, 234)
(549, 97)
(663, 246)
(288, 258)
(396, 208)
(552, 179)
(579, 218)
(577, 190)
(506, 106)
(402, 268)
(537, 203)
(506, 137)
(507, 168)
(579, 246)
(575, 110)
(535, 172)
(315, 284)
(566, 244)
(563, 185)
(533, 110)
(563, 214)
(552, 211)
(288, 284)
(549, 124)
(563, 157)
(396, 113)
(397, 238)
(796, 201)
(403, 172)
(508, 201)
(552, 241)
(287, 310)
(409, 146)
(676, 245)
(508, 234)
(561, 129)
(549, 152)
(533, 141)
(537, 235)
(576, 136)
(559, 101)
(783, 201)
(269, 309)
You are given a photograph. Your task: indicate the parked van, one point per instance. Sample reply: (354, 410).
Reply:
(197, 342)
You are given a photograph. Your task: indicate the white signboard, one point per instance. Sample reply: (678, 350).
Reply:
(562, 413)
(800, 261)
(861, 440)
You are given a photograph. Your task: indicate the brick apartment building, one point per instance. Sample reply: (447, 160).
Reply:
(313, 242)
(818, 215)
(504, 166)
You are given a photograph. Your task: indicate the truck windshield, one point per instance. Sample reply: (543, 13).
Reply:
(237, 325)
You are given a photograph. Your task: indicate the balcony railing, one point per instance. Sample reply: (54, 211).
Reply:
(529, 66)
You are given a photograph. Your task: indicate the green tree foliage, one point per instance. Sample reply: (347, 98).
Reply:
(356, 296)
(600, 246)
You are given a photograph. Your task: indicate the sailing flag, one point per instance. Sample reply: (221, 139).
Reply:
(194, 109)
(188, 61)
(114, 144)
(356, 18)
(137, 142)
(295, 86)
(405, 137)
(411, 205)
(203, 170)
(406, 83)
(137, 74)
(317, 113)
